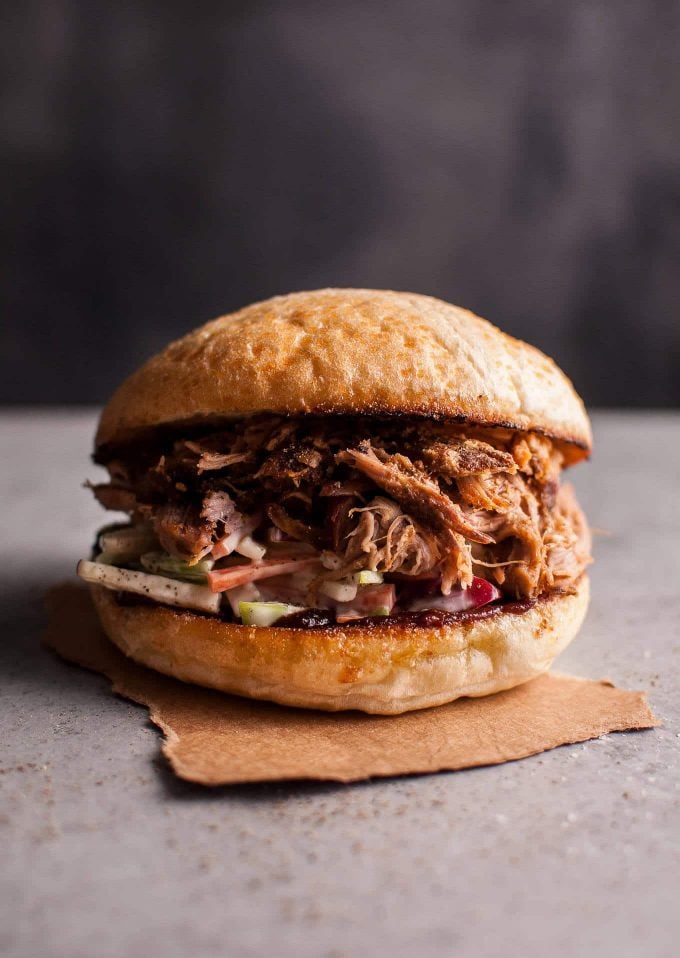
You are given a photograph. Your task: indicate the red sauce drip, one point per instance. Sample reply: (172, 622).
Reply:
(324, 619)
(427, 618)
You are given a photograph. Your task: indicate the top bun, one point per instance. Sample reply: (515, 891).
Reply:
(350, 351)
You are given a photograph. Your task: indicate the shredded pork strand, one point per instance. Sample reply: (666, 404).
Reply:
(403, 497)
(385, 539)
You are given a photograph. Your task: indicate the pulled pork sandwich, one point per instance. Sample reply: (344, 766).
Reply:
(343, 499)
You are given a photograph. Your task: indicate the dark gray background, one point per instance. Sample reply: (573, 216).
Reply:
(165, 162)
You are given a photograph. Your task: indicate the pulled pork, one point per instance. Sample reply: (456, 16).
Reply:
(188, 531)
(404, 497)
(382, 538)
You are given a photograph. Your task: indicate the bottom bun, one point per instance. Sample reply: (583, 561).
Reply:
(384, 668)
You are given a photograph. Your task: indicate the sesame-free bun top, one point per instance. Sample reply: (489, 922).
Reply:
(350, 351)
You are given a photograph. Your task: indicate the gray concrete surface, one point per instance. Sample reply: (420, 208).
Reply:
(570, 853)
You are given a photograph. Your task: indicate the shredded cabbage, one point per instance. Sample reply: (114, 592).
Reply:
(161, 563)
(265, 613)
(168, 591)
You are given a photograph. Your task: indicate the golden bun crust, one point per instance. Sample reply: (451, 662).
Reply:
(379, 668)
(350, 351)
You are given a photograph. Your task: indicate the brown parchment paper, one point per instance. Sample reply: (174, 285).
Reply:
(219, 739)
